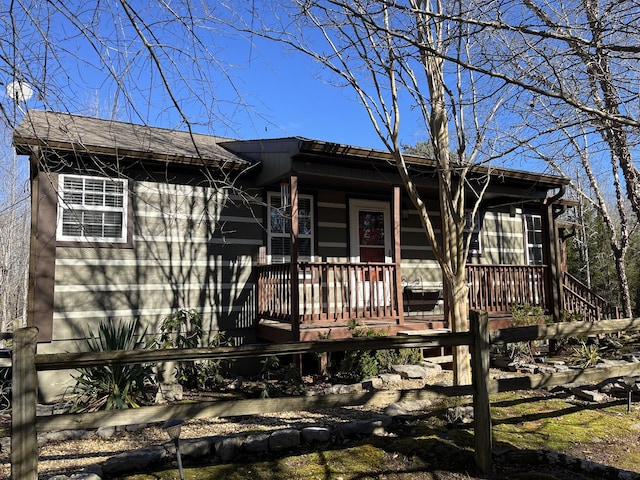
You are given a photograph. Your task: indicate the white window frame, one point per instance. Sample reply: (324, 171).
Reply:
(82, 206)
(287, 234)
(529, 245)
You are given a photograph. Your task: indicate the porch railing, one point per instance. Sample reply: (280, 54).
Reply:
(328, 292)
(579, 299)
(497, 288)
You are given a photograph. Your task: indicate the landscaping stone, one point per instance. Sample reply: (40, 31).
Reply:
(344, 389)
(284, 439)
(406, 407)
(198, 447)
(390, 379)
(256, 443)
(106, 432)
(315, 435)
(460, 415)
(362, 428)
(227, 448)
(136, 460)
(413, 371)
(591, 395)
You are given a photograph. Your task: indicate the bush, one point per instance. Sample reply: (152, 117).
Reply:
(363, 364)
(183, 329)
(110, 387)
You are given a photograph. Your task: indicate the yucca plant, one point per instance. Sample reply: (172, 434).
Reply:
(585, 355)
(113, 386)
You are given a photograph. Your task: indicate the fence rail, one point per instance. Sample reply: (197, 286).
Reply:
(26, 364)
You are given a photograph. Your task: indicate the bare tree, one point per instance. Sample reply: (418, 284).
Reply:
(395, 56)
(575, 64)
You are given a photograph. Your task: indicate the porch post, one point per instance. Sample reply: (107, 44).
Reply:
(397, 253)
(295, 287)
(554, 260)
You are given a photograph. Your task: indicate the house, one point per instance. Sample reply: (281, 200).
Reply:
(130, 221)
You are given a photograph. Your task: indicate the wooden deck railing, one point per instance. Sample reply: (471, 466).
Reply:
(497, 288)
(579, 299)
(329, 292)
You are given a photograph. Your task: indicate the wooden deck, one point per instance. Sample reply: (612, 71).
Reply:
(310, 300)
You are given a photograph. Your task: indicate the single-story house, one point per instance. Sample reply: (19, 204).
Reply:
(131, 221)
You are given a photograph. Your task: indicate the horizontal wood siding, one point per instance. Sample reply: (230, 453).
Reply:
(193, 248)
(502, 239)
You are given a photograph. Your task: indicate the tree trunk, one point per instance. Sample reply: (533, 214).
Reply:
(459, 321)
(623, 280)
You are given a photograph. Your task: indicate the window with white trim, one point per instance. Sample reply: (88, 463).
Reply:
(533, 234)
(92, 209)
(279, 228)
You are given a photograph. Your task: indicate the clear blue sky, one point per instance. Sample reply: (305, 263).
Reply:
(282, 91)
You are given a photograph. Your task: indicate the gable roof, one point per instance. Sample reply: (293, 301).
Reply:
(71, 133)
(77, 133)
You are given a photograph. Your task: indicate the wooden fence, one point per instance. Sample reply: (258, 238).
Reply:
(26, 364)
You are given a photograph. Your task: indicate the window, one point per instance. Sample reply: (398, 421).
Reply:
(92, 209)
(533, 230)
(472, 227)
(279, 228)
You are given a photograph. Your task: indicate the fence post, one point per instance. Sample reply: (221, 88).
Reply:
(480, 375)
(24, 441)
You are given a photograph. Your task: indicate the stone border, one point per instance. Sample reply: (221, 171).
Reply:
(225, 449)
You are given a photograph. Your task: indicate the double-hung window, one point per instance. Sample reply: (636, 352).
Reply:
(279, 228)
(92, 209)
(533, 230)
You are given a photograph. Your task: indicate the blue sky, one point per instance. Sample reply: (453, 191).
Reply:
(281, 91)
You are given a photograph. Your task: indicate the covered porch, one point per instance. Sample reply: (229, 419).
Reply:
(310, 299)
(305, 300)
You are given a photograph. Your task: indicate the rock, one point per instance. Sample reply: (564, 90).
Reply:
(86, 476)
(62, 435)
(169, 392)
(460, 415)
(344, 389)
(284, 439)
(406, 407)
(315, 435)
(106, 432)
(362, 428)
(133, 461)
(591, 395)
(227, 448)
(390, 379)
(197, 447)
(256, 443)
(375, 383)
(413, 372)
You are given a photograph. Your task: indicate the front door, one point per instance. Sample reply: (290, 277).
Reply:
(370, 231)
(370, 240)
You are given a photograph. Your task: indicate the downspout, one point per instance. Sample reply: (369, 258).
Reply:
(555, 267)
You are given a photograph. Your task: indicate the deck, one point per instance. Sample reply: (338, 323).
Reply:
(310, 300)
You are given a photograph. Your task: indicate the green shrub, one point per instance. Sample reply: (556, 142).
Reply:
(110, 387)
(183, 329)
(363, 364)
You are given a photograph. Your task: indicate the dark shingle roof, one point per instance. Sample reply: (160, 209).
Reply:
(77, 133)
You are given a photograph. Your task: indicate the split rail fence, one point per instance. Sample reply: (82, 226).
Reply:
(26, 363)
